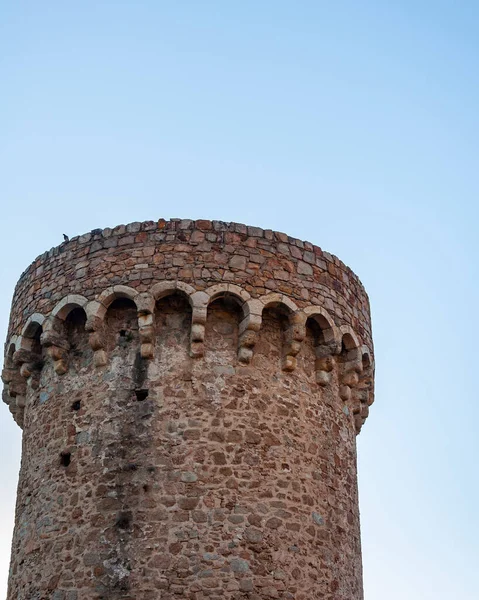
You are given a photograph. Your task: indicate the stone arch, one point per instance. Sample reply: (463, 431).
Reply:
(172, 286)
(11, 346)
(327, 341)
(221, 289)
(349, 339)
(366, 357)
(350, 367)
(9, 366)
(110, 294)
(283, 311)
(275, 299)
(29, 354)
(54, 330)
(120, 331)
(14, 391)
(229, 291)
(350, 350)
(363, 394)
(366, 381)
(200, 301)
(54, 336)
(79, 352)
(329, 332)
(96, 311)
(232, 298)
(34, 319)
(67, 304)
(30, 329)
(222, 334)
(173, 325)
(29, 340)
(295, 330)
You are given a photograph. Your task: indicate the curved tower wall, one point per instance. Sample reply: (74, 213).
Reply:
(190, 393)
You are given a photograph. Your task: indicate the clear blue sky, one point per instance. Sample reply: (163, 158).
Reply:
(351, 124)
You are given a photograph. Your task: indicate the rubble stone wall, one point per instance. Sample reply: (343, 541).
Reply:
(190, 394)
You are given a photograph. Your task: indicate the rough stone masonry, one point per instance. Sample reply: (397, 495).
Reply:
(190, 394)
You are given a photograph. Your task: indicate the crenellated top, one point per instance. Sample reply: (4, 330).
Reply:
(337, 346)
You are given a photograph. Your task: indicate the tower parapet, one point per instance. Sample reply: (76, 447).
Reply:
(190, 393)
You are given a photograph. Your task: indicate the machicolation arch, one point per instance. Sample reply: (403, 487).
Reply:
(339, 342)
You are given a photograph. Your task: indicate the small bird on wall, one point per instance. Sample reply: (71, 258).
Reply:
(66, 238)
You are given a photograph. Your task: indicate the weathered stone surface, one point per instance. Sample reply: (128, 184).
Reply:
(198, 438)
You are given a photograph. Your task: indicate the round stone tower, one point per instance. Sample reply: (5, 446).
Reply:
(190, 394)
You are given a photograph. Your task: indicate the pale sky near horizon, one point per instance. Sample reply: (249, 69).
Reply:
(353, 125)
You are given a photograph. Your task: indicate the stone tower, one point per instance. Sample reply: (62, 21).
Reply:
(190, 394)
